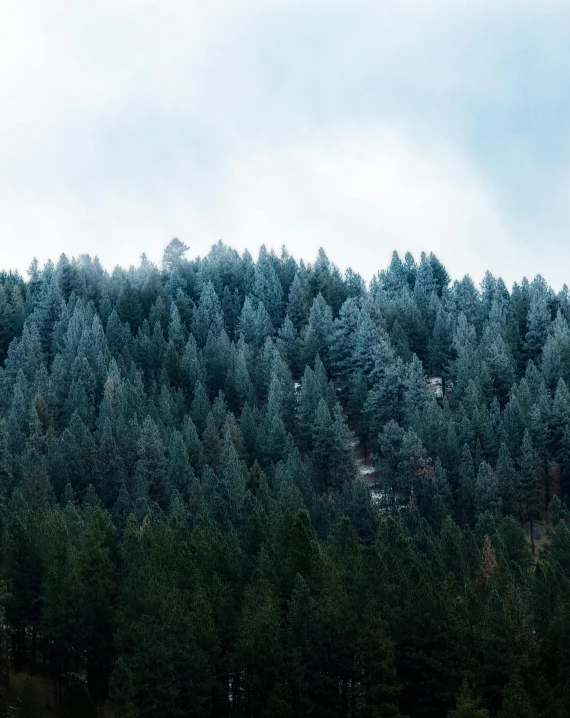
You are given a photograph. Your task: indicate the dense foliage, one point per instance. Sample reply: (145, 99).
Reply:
(185, 530)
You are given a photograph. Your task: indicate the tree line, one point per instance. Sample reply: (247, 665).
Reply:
(184, 530)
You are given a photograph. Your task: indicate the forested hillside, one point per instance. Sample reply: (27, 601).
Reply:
(184, 530)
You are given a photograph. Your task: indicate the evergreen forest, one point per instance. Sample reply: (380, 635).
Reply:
(268, 489)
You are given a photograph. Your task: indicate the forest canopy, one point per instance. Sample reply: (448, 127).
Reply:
(268, 488)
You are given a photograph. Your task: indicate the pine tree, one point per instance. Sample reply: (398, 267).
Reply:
(208, 316)
(318, 331)
(60, 597)
(376, 670)
(178, 475)
(24, 576)
(415, 394)
(174, 254)
(559, 422)
(200, 407)
(515, 701)
(440, 347)
(538, 322)
(151, 469)
(341, 345)
(267, 288)
(507, 479)
(529, 494)
(257, 649)
(97, 590)
(322, 437)
(123, 507)
(468, 706)
(298, 304)
(487, 498)
(341, 460)
(211, 441)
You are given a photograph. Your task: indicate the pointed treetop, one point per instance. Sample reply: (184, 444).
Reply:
(174, 253)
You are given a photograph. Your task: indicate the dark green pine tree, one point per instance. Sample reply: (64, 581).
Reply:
(516, 703)
(80, 453)
(378, 683)
(267, 287)
(308, 397)
(76, 700)
(508, 481)
(529, 493)
(211, 442)
(437, 497)
(258, 652)
(341, 460)
(322, 446)
(122, 508)
(318, 331)
(208, 316)
(97, 557)
(440, 347)
(24, 575)
(415, 394)
(298, 303)
(559, 422)
(150, 480)
(540, 433)
(193, 445)
(200, 407)
(69, 279)
(179, 473)
(302, 643)
(12, 316)
(487, 496)
(60, 597)
(468, 705)
(538, 322)
(341, 345)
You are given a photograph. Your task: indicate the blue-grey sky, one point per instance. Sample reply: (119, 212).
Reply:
(362, 127)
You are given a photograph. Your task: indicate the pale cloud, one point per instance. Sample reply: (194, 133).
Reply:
(363, 192)
(436, 125)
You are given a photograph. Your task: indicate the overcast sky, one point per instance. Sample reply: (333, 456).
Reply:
(362, 127)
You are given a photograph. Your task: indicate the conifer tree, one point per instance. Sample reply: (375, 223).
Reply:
(151, 469)
(318, 331)
(515, 701)
(174, 254)
(538, 321)
(529, 493)
(184, 490)
(468, 706)
(487, 498)
(298, 304)
(507, 480)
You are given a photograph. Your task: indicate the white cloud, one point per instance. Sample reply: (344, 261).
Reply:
(360, 193)
(127, 122)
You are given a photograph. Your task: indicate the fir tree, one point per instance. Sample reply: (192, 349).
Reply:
(529, 494)
(487, 498)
